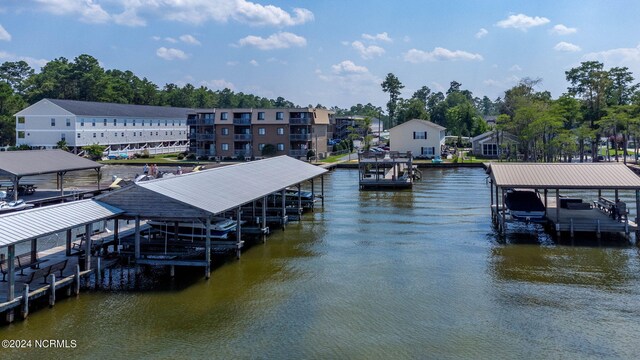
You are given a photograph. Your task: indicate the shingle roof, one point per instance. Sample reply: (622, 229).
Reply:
(564, 176)
(35, 162)
(425, 122)
(30, 224)
(91, 108)
(220, 189)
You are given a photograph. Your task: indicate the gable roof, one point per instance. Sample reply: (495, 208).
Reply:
(563, 175)
(491, 133)
(213, 191)
(424, 122)
(35, 162)
(92, 108)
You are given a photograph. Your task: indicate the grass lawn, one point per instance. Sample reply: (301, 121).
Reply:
(335, 158)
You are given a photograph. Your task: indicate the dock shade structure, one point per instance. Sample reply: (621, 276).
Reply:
(18, 164)
(199, 196)
(29, 225)
(555, 177)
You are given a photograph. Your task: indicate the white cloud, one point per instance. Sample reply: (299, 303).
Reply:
(629, 57)
(504, 83)
(348, 67)
(439, 54)
(481, 33)
(406, 39)
(4, 34)
(367, 52)
(88, 10)
(189, 39)
(33, 62)
(171, 54)
(188, 11)
(515, 67)
(171, 40)
(254, 62)
(566, 47)
(232, 63)
(563, 30)
(281, 40)
(382, 37)
(522, 22)
(218, 84)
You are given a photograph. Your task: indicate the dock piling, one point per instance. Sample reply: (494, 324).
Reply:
(52, 290)
(76, 281)
(25, 301)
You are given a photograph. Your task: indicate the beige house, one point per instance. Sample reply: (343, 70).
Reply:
(423, 138)
(493, 143)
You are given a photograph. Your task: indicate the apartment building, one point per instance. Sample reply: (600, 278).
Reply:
(122, 128)
(233, 133)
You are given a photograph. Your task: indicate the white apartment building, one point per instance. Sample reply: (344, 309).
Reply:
(122, 128)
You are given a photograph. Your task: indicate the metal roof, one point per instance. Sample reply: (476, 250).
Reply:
(424, 122)
(564, 175)
(91, 108)
(34, 223)
(219, 189)
(35, 162)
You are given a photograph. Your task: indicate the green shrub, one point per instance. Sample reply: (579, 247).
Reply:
(191, 156)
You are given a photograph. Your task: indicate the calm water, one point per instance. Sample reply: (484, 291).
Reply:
(375, 275)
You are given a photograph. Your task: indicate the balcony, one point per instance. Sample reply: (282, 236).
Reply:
(242, 137)
(298, 153)
(300, 137)
(199, 121)
(299, 121)
(205, 137)
(192, 136)
(241, 152)
(241, 121)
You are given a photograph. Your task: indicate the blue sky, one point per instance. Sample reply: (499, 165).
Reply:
(332, 52)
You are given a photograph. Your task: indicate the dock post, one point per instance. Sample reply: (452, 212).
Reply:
(25, 301)
(491, 199)
(238, 232)
(68, 242)
(88, 229)
(99, 273)
(571, 227)
(264, 219)
(300, 203)
(637, 216)
(313, 196)
(76, 281)
(11, 257)
(598, 229)
(116, 236)
(172, 270)
(207, 251)
(52, 289)
(322, 189)
(34, 249)
(284, 207)
(504, 215)
(137, 241)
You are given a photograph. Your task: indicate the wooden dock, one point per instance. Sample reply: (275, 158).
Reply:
(388, 170)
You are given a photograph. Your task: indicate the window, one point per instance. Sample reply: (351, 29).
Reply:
(156, 133)
(134, 122)
(140, 133)
(53, 122)
(115, 133)
(262, 131)
(93, 122)
(420, 135)
(125, 122)
(224, 116)
(490, 149)
(134, 133)
(173, 123)
(427, 151)
(142, 122)
(68, 122)
(101, 134)
(225, 147)
(94, 135)
(280, 131)
(170, 132)
(21, 135)
(81, 122)
(105, 122)
(224, 131)
(20, 119)
(122, 134)
(166, 133)
(63, 137)
(115, 122)
(279, 115)
(261, 115)
(78, 135)
(166, 122)
(281, 147)
(260, 147)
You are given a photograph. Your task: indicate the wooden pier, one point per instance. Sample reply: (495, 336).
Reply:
(385, 170)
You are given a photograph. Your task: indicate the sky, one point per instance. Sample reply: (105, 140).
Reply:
(329, 52)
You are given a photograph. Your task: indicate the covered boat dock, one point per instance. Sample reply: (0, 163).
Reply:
(16, 165)
(599, 214)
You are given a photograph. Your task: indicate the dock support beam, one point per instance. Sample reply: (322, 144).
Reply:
(137, 238)
(284, 207)
(313, 196)
(207, 252)
(88, 229)
(68, 242)
(637, 217)
(76, 281)
(558, 212)
(322, 189)
(300, 203)
(52, 289)
(504, 215)
(238, 232)
(116, 236)
(25, 301)
(264, 219)
(34, 250)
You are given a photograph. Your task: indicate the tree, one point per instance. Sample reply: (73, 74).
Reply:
(422, 94)
(16, 75)
(94, 151)
(392, 85)
(269, 150)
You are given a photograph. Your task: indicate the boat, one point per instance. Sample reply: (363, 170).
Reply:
(14, 206)
(307, 198)
(220, 228)
(525, 205)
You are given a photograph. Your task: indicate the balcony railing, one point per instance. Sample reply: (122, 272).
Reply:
(300, 137)
(199, 121)
(299, 121)
(298, 153)
(241, 152)
(241, 121)
(205, 137)
(242, 137)
(192, 136)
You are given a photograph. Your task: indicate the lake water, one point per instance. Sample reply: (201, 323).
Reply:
(375, 275)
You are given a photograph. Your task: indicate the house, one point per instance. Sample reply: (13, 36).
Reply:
(423, 138)
(490, 145)
(236, 133)
(121, 128)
